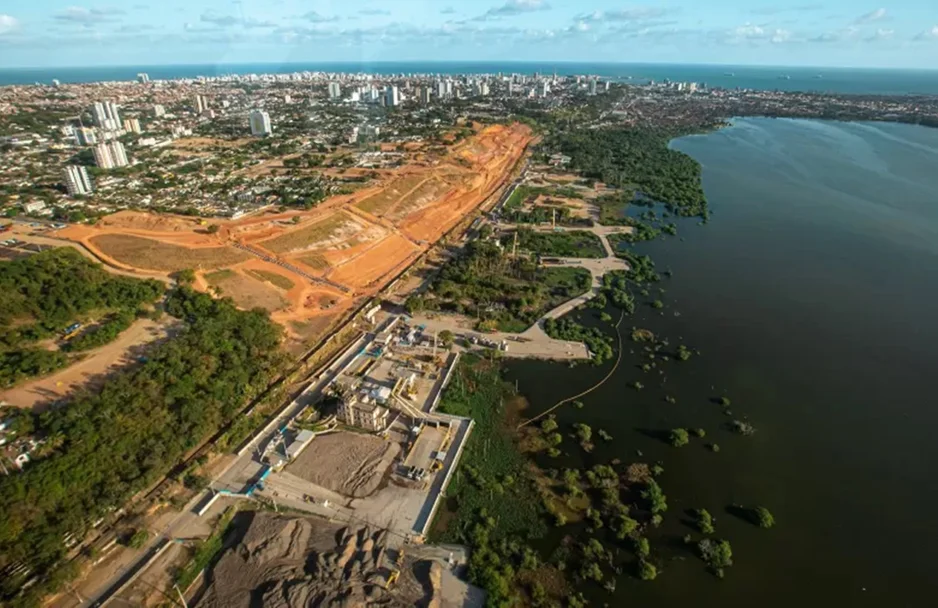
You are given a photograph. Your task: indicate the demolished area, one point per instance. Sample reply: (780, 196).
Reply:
(280, 561)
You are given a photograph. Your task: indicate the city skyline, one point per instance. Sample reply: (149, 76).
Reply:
(835, 33)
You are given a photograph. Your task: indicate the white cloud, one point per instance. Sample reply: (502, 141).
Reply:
(877, 15)
(219, 20)
(87, 16)
(8, 23)
(881, 34)
(314, 17)
(929, 34)
(515, 7)
(639, 13)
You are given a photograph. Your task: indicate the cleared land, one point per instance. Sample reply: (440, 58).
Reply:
(350, 464)
(91, 369)
(360, 241)
(247, 292)
(151, 254)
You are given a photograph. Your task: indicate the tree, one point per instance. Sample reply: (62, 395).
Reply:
(647, 571)
(138, 539)
(549, 425)
(679, 437)
(762, 517)
(185, 276)
(447, 338)
(717, 553)
(705, 521)
(212, 229)
(642, 547)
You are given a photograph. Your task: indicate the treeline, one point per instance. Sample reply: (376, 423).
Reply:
(636, 159)
(503, 292)
(106, 446)
(43, 294)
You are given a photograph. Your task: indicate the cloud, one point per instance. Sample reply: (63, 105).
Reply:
(219, 20)
(449, 10)
(877, 15)
(513, 8)
(639, 13)
(314, 17)
(881, 34)
(848, 33)
(135, 27)
(374, 11)
(776, 10)
(87, 16)
(8, 23)
(929, 34)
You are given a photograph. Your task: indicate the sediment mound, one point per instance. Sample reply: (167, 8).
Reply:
(291, 562)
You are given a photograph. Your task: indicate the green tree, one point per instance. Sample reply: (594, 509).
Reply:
(447, 337)
(679, 437)
(647, 571)
(762, 517)
(705, 521)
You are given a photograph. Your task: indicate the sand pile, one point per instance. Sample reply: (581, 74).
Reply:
(351, 464)
(289, 562)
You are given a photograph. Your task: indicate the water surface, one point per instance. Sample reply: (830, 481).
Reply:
(811, 294)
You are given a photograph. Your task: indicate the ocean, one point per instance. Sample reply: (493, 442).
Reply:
(810, 295)
(833, 80)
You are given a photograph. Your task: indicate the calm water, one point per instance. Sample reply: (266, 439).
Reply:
(812, 296)
(837, 80)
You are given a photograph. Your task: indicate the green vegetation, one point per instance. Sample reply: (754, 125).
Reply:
(595, 339)
(206, 551)
(741, 427)
(502, 292)
(566, 244)
(138, 539)
(760, 516)
(717, 553)
(637, 160)
(483, 509)
(647, 571)
(46, 293)
(106, 331)
(679, 437)
(106, 446)
(705, 521)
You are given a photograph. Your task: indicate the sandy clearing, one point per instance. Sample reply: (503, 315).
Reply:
(152, 254)
(39, 394)
(246, 291)
(375, 263)
(351, 464)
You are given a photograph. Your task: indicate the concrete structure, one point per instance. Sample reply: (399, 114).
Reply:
(86, 136)
(299, 443)
(132, 125)
(364, 412)
(34, 206)
(77, 181)
(335, 90)
(592, 86)
(392, 96)
(143, 78)
(440, 89)
(425, 95)
(110, 155)
(106, 115)
(159, 110)
(260, 123)
(199, 104)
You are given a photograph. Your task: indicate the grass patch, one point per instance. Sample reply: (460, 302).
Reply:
(219, 275)
(569, 244)
(150, 254)
(314, 261)
(274, 278)
(304, 238)
(206, 551)
(379, 203)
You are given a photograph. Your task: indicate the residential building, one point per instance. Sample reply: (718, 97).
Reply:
(77, 181)
(106, 115)
(440, 89)
(132, 125)
(110, 155)
(159, 110)
(353, 135)
(260, 123)
(425, 95)
(55, 82)
(335, 91)
(592, 87)
(287, 99)
(392, 96)
(143, 78)
(34, 206)
(86, 136)
(199, 104)
(543, 89)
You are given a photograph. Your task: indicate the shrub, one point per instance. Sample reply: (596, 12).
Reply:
(679, 437)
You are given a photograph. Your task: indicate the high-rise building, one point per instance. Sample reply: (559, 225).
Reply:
(143, 78)
(159, 110)
(287, 99)
(543, 89)
(55, 82)
(449, 88)
(592, 86)
(86, 136)
(335, 91)
(260, 123)
(392, 96)
(425, 95)
(106, 115)
(110, 155)
(440, 89)
(77, 180)
(132, 125)
(199, 104)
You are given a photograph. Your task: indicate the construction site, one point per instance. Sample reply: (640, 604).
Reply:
(276, 561)
(308, 267)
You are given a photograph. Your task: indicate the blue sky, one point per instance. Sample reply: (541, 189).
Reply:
(848, 33)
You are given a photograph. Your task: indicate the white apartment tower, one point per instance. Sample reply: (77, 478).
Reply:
(392, 96)
(106, 115)
(592, 86)
(86, 136)
(260, 123)
(132, 125)
(143, 78)
(77, 181)
(110, 155)
(159, 110)
(425, 95)
(199, 104)
(335, 91)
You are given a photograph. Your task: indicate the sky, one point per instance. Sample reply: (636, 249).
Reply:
(830, 33)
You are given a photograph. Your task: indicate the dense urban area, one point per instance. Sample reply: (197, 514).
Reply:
(251, 331)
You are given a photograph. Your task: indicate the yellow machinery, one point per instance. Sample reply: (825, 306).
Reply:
(392, 578)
